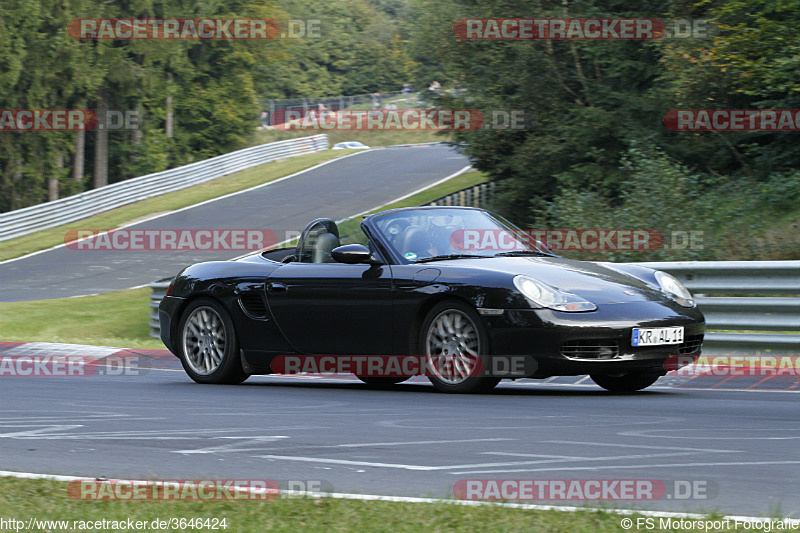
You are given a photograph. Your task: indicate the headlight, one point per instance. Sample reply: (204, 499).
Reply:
(546, 296)
(674, 289)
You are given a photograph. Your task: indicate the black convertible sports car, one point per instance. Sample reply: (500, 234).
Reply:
(447, 284)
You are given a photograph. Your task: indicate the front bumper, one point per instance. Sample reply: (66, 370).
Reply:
(558, 343)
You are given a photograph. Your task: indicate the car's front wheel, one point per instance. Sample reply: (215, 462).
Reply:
(207, 343)
(455, 345)
(625, 381)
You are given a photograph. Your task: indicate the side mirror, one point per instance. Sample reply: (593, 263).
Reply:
(354, 254)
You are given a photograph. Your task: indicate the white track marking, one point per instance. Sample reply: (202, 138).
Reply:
(414, 442)
(236, 446)
(184, 434)
(746, 434)
(612, 445)
(462, 466)
(247, 441)
(351, 463)
(619, 467)
(54, 348)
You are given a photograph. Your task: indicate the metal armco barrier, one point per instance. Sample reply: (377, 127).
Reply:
(158, 291)
(473, 196)
(51, 214)
(751, 307)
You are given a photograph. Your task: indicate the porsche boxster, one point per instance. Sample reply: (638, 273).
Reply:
(456, 285)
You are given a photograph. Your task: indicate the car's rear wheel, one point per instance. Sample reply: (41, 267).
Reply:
(381, 381)
(625, 381)
(207, 344)
(455, 344)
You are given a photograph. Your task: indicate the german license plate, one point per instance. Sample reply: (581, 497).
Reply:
(657, 336)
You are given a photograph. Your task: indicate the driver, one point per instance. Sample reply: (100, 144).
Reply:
(440, 231)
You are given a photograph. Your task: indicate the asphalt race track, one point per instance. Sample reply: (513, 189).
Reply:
(740, 448)
(342, 188)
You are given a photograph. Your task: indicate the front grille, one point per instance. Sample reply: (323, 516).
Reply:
(691, 344)
(253, 304)
(590, 349)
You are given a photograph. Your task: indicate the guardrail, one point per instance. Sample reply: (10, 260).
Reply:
(474, 196)
(42, 216)
(157, 292)
(751, 307)
(763, 319)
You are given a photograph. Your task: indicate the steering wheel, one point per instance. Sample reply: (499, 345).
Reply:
(394, 230)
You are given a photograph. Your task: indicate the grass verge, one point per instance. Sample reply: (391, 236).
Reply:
(23, 499)
(120, 318)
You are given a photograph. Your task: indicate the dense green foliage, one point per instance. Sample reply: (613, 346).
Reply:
(600, 156)
(211, 87)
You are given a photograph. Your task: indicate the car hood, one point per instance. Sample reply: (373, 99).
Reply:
(596, 282)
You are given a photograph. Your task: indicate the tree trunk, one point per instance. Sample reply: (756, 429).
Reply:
(52, 189)
(168, 124)
(101, 144)
(80, 149)
(136, 142)
(52, 182)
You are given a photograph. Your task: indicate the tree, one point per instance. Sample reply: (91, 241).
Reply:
(589, 98)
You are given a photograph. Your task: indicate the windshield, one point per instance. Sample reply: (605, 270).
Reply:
(425, 234)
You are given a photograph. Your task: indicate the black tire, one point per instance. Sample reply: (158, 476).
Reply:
(467, 334)
(207, 344)
(381, 381)
(625, 382)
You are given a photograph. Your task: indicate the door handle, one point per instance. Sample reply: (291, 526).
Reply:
(277, 287)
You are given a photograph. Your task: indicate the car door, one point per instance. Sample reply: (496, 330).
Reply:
(333, 308)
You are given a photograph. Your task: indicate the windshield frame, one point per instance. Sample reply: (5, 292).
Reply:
(370, 226)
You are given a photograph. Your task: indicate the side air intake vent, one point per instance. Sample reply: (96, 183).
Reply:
(253, 304)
